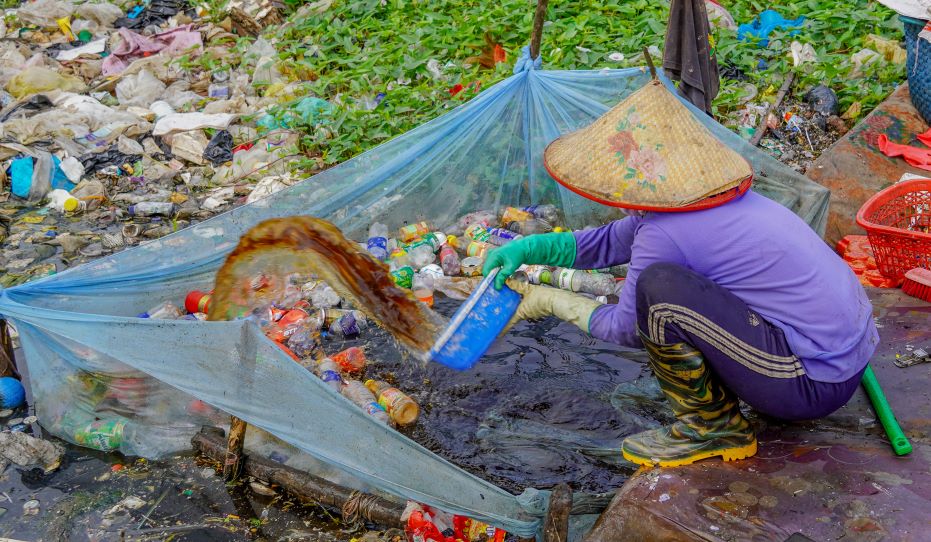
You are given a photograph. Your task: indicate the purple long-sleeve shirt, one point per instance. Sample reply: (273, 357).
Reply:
(764, 254)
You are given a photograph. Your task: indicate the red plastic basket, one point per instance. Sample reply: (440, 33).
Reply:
(897, 221)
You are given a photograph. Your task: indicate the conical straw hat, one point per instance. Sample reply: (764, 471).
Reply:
(648, 152)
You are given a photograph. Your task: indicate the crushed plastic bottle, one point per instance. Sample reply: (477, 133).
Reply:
(322, 296)
(351, 360)
(63, 202)
(359, 394)
(529, 226)
(163, 311)
(349, 325)
(153, 208)
(547, 212)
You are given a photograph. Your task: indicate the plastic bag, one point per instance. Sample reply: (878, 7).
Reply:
(140, 89)
(220, 148)
(104, 14)
(35, 79)
(44, 13)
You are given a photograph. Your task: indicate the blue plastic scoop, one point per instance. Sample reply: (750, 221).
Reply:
(476, 325)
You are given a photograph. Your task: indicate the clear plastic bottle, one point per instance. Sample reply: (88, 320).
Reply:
(485, 218)
(529, 226)
(548, 212)
(323, 297)
(401, 408)
(328, 371)
(449, 261)
(420, 256)
(153, 208)
(356, 392)
(63, 202)
(513, 214)
(580, 281)
(377, 244)
(163, 311)
(500, 236)
(423, 288)
(305, 340)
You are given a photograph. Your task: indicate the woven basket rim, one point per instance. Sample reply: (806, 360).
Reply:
(868, 209)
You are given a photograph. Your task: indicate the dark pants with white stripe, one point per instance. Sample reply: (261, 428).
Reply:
(749, 355)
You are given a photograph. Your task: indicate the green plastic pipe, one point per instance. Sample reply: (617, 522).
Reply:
(900, 444)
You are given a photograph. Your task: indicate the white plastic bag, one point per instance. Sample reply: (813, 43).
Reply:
(140, 89)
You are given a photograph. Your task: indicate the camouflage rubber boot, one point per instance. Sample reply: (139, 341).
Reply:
(709, 421)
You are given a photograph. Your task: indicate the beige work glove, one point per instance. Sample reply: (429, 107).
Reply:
(542, 301)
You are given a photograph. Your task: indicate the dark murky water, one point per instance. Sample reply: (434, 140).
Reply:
(535, 411)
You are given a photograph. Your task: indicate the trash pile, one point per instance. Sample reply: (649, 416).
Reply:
(310, 314)
(107, 138)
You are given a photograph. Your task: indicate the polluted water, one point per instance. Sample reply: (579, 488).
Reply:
(277, 249)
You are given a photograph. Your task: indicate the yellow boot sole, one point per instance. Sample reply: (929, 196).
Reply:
(727, 454)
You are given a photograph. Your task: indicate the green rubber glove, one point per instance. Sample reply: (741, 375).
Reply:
(544, 249)
(542, 301)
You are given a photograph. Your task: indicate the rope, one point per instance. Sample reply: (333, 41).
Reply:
(358, 507)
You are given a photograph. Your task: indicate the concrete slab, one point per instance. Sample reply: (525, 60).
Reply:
(854, 169)
(832, 479)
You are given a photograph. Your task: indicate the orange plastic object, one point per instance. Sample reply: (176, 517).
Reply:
(858, 253)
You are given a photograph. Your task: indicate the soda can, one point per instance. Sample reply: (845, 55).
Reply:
(403, 277)
(103, 435)
(413, 231)
(504, 234)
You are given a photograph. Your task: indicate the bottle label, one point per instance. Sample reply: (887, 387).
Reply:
(564, 278)
(477, 232)
(403, 277)
(446, 252)
(373, 408)
(477, 248)
(503, 233)
(535, 273)
(513, 214)
(378, 247)
(413, 231)
(389, 398)
(330, 376)
(348, 325)
(103, 435)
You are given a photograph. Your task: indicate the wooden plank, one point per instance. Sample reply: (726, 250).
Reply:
(556, 526)
(304, 485)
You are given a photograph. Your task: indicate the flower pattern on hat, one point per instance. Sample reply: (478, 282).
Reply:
(644, 164)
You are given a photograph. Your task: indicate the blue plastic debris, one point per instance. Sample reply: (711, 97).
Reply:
(762, 26)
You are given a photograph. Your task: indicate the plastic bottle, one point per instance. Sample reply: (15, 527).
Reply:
(423, 288)
(581, 281)
(403, 277)
(377, 244)
(328, 371)
(401, 408)
(513, 214)
(478, 232)
(163, 311)
(349, 325)
(305, 339)
(420, 256)
(351, 360)
(413, 231)
(485, 218)
(478, 249)
(153, 208)
(359, 394)
(63, 202)
(547, 212)
(197, 301)
(449, 260)
(529, 226)
(323, 297)
(500, 236)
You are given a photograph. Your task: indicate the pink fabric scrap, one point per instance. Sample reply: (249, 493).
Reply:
(134, 46)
